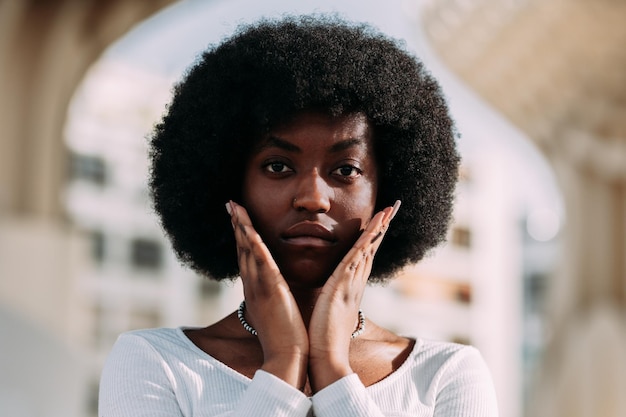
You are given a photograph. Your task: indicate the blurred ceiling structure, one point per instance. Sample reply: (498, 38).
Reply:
(551, 67)
(557, 70)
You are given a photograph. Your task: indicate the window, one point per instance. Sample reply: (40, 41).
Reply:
(103, 325)
(463, 293)
(534, 291)
(92, 397)
(144, 319)
(209, 288)
(465, 175)
(461, 237)
(146, 253)
(88, 168)
(461, 340)
(98, 245)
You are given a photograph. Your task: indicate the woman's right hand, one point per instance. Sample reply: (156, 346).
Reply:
(270, 307)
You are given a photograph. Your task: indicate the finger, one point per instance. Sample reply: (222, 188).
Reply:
(260, 260)
(381, 229)
(374, 230)
(358, 261)
(395, 208)
(256, 261)
(390, 213)
(243, 244)
(244, 237)
(259, 252)
(356, 254)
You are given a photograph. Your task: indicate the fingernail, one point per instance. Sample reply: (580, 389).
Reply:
(396, 207)
(229, 209)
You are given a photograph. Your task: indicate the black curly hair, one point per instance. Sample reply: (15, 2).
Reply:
(264, 75)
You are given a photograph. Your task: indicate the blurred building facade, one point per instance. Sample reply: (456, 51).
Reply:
(528, 68)
(132, 279)
(557, 70)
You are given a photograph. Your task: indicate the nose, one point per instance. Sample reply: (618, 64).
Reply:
(313, 193)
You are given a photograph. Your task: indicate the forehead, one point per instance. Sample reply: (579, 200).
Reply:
(350, 122)
(319, 129)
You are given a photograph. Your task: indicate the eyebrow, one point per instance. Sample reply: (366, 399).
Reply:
(276, 142)
(346, 144)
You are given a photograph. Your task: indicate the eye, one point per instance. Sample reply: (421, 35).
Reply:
(277, 167)
(347, 171)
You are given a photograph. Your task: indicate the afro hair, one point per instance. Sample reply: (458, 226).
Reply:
(265, 74)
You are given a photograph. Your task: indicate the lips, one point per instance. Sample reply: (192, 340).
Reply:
(309, 234)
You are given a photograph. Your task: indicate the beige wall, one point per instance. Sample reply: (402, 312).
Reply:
(39, 260)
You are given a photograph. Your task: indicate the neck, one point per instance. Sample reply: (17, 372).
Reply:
(306, 298)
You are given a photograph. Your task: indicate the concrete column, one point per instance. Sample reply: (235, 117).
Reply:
(45, 49)
(583, 372)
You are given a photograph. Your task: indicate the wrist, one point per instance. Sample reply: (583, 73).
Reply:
(323, 373)
(291, 368)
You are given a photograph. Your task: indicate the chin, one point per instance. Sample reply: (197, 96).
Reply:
(309, 276)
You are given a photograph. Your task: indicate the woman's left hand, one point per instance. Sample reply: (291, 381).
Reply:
(335, 315)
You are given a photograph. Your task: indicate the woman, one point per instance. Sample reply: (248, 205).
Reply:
(311, 130)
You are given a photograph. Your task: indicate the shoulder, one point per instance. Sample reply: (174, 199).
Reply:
(440, 379)
(159, 344)
(441, 353)
(442, 361)
(456, 375)
(142, 368)
(157, 336)
(154, 352)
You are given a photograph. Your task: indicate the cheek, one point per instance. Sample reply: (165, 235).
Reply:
(361, 205)
(367, 199)
(263, 206)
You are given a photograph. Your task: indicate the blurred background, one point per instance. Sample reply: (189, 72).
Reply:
(534, 269)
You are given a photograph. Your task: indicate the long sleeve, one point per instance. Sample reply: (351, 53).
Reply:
(270, 396)
(138, 381)
(465, 387)
(444, 380)
(345, 397)
(161, 373)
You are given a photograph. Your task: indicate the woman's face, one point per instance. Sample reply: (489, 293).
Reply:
(310, 188)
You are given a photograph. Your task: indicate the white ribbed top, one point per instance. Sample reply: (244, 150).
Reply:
(160, 372)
